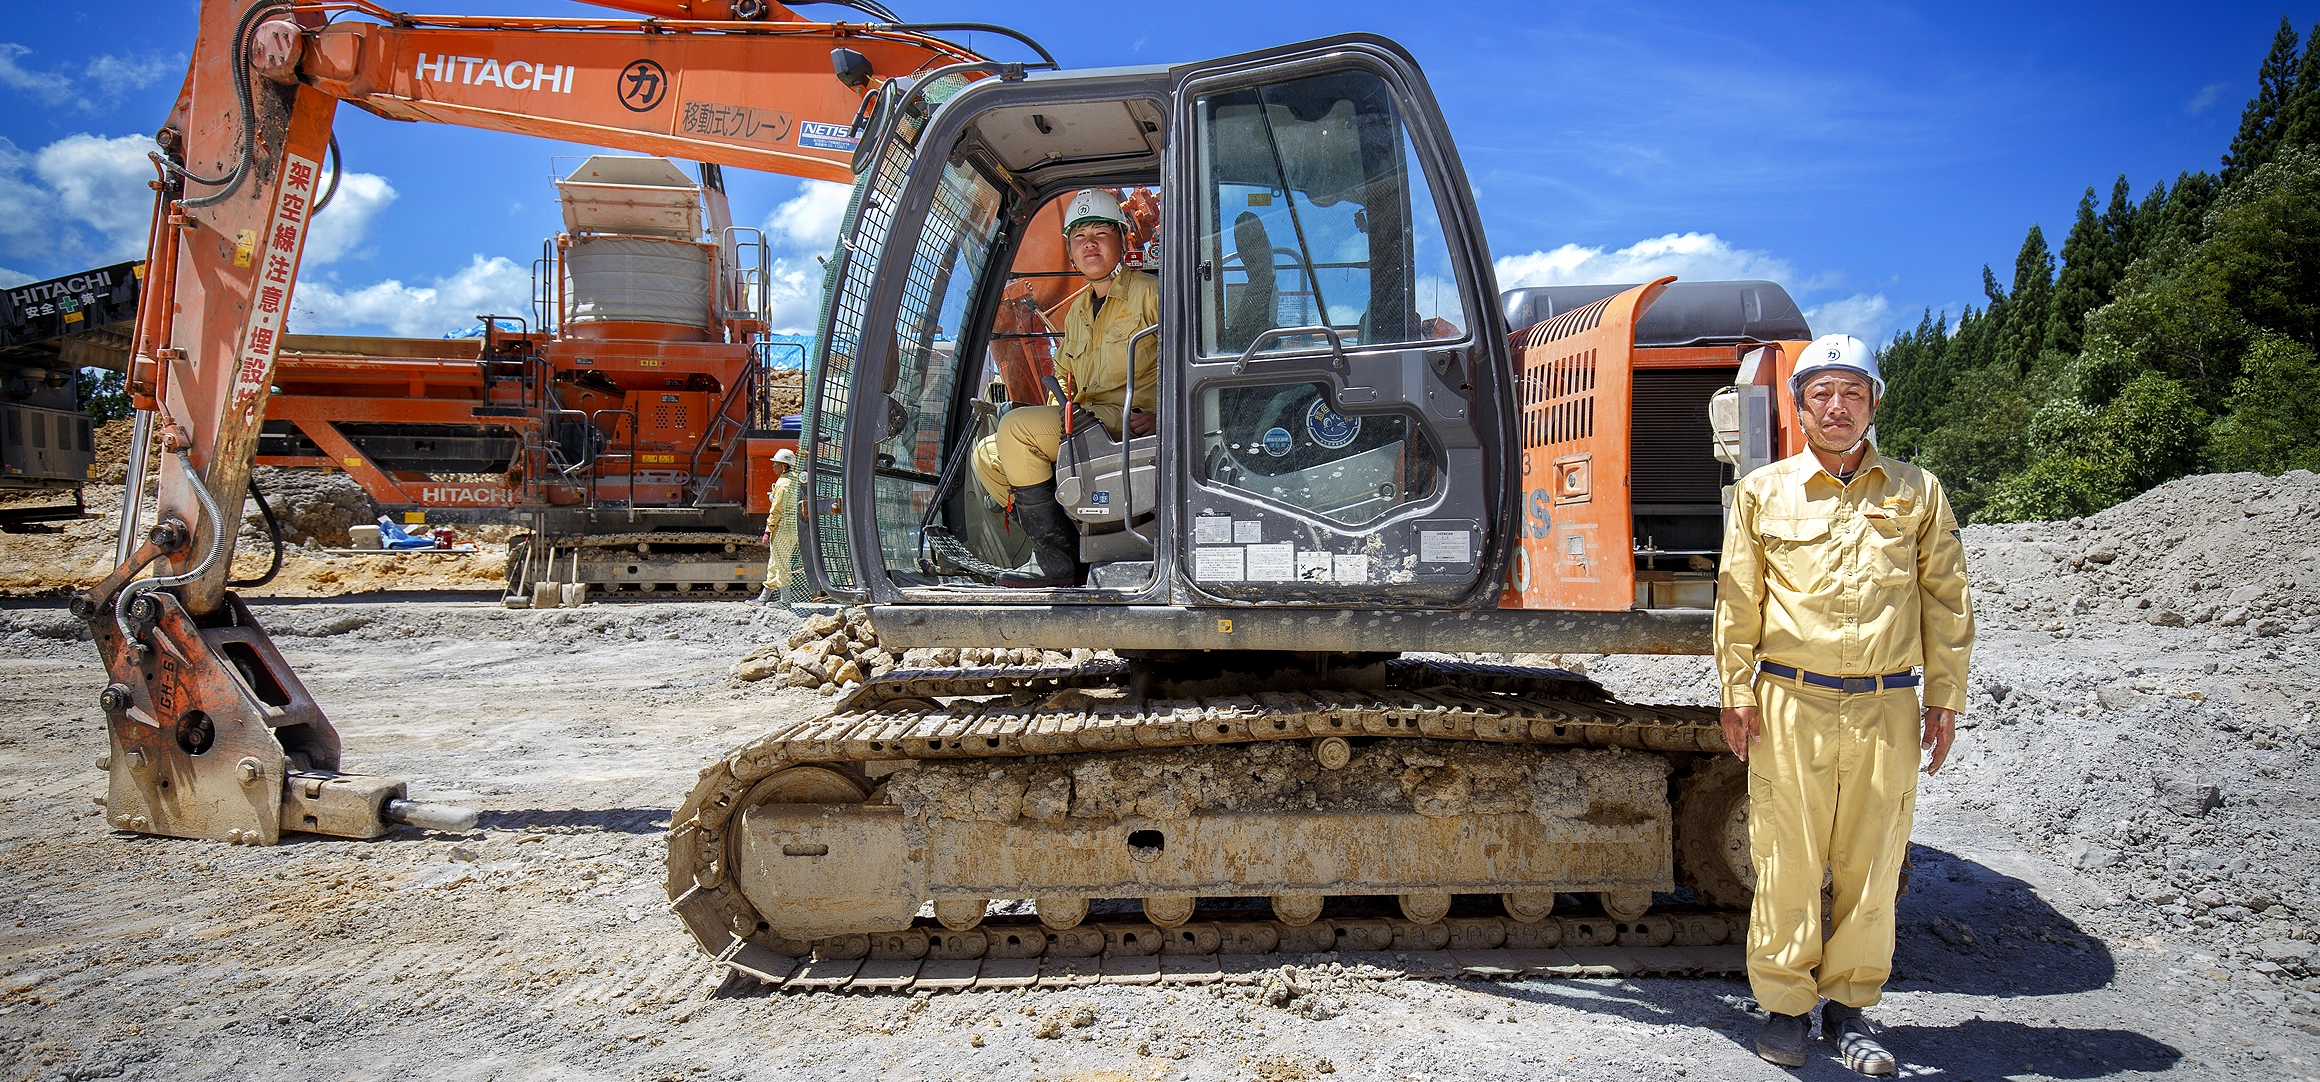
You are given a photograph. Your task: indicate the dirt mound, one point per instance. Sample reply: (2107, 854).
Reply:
(312, 505)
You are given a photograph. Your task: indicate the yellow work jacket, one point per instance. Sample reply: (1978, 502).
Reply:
(1094, 358)
(781, 516)
(1860, 579)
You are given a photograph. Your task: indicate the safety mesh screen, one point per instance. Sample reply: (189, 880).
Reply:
(846, 290)
(939, 285)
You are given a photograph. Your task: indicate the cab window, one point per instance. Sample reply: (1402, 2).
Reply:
(1314, 212)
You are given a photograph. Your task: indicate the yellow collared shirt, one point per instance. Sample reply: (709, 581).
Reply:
(1094, 355)
(1859, 579)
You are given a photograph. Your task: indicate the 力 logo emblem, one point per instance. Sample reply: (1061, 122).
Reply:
(642, 85)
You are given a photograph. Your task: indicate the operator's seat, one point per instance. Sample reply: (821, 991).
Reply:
(1089, 486)
(1253, 308)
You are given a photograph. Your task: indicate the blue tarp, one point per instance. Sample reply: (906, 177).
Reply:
(392, 536)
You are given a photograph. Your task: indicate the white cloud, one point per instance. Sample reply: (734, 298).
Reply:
(808, 224)
(103, 182)
(794, 296)
(1868, 317)
(343, 223)
(1698, 257)
(12, 278)
(1689, 256)
(447, 304)
(101, 84)
(52, 88)
(79, 201)
(2206, 98)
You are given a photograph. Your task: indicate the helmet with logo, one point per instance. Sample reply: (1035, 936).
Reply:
(785, 457)
(1841, 352)
(1094, 205)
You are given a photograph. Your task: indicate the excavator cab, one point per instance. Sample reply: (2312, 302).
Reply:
(1332, 415)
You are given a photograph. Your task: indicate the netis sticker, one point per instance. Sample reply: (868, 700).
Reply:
(818, 136)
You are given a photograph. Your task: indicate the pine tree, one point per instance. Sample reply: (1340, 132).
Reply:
(2023, 323)
(2259, 122)
(2300, 113)
(2121, 221)
(2084, 283)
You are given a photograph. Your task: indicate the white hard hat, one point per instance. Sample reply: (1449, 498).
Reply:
(1839, 351)
(785, 457)
(1094, 205)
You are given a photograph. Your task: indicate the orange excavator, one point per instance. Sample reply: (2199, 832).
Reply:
(639, 402)
(1364, 459)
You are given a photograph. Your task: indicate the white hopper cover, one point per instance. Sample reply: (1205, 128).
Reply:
(639, 279)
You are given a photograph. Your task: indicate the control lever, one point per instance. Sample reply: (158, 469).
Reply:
(1056, 389)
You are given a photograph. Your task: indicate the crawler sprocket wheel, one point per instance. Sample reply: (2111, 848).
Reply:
(1712, 832)
(701, 885)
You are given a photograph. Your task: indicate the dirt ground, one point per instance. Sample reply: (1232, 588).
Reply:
(2114, 878)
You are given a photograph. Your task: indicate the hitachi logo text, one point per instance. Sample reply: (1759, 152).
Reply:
(484, 71)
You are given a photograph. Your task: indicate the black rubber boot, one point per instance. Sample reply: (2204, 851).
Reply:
(1783, 1039)
(1054, 541)
(1855, 1039)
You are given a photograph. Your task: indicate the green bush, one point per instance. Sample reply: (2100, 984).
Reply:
(2273, 423)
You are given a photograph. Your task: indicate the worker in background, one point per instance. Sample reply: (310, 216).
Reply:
(781, 527)
(1016, 464)
(1843, 575)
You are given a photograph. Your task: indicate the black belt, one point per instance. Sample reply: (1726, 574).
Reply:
(1851, 685)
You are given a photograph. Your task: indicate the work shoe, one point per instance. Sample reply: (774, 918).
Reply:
(764, 597)
(1855, 1039)
(1783, 1038)
(1054, 557)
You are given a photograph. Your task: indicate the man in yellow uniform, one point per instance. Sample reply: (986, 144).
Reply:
(1843, 573)
(1016, 464)
(781, 527)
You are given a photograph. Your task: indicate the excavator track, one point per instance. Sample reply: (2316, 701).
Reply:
(1019, 720)
(664, 566)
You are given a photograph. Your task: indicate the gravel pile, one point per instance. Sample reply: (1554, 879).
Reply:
(827, 653)
(2150, 718)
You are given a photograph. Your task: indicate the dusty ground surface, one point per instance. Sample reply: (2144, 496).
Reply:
(2114, 879)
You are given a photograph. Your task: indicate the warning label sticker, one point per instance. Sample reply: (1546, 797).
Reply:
(1445, 546)
(1220, 564)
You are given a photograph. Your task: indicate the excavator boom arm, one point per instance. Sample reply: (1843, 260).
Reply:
(212, 735)
(753, 95)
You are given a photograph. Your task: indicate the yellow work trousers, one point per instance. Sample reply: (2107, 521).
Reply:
(1021, 452)
(1832, 789)
(781, 552)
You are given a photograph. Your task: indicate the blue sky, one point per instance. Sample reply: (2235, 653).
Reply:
(1872, 157)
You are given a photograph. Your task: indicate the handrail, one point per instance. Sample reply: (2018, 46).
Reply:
(1128, 443)
(630, 454)
(696, 483)
(1271, 333)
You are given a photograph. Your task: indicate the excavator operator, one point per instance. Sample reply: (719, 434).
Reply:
(1016, 464)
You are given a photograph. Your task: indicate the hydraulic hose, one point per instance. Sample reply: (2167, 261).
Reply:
(336, 167)
(217, 544)
(232, 182)
(274, 530)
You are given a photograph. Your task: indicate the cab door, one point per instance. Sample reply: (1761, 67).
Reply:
(1341, 422)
